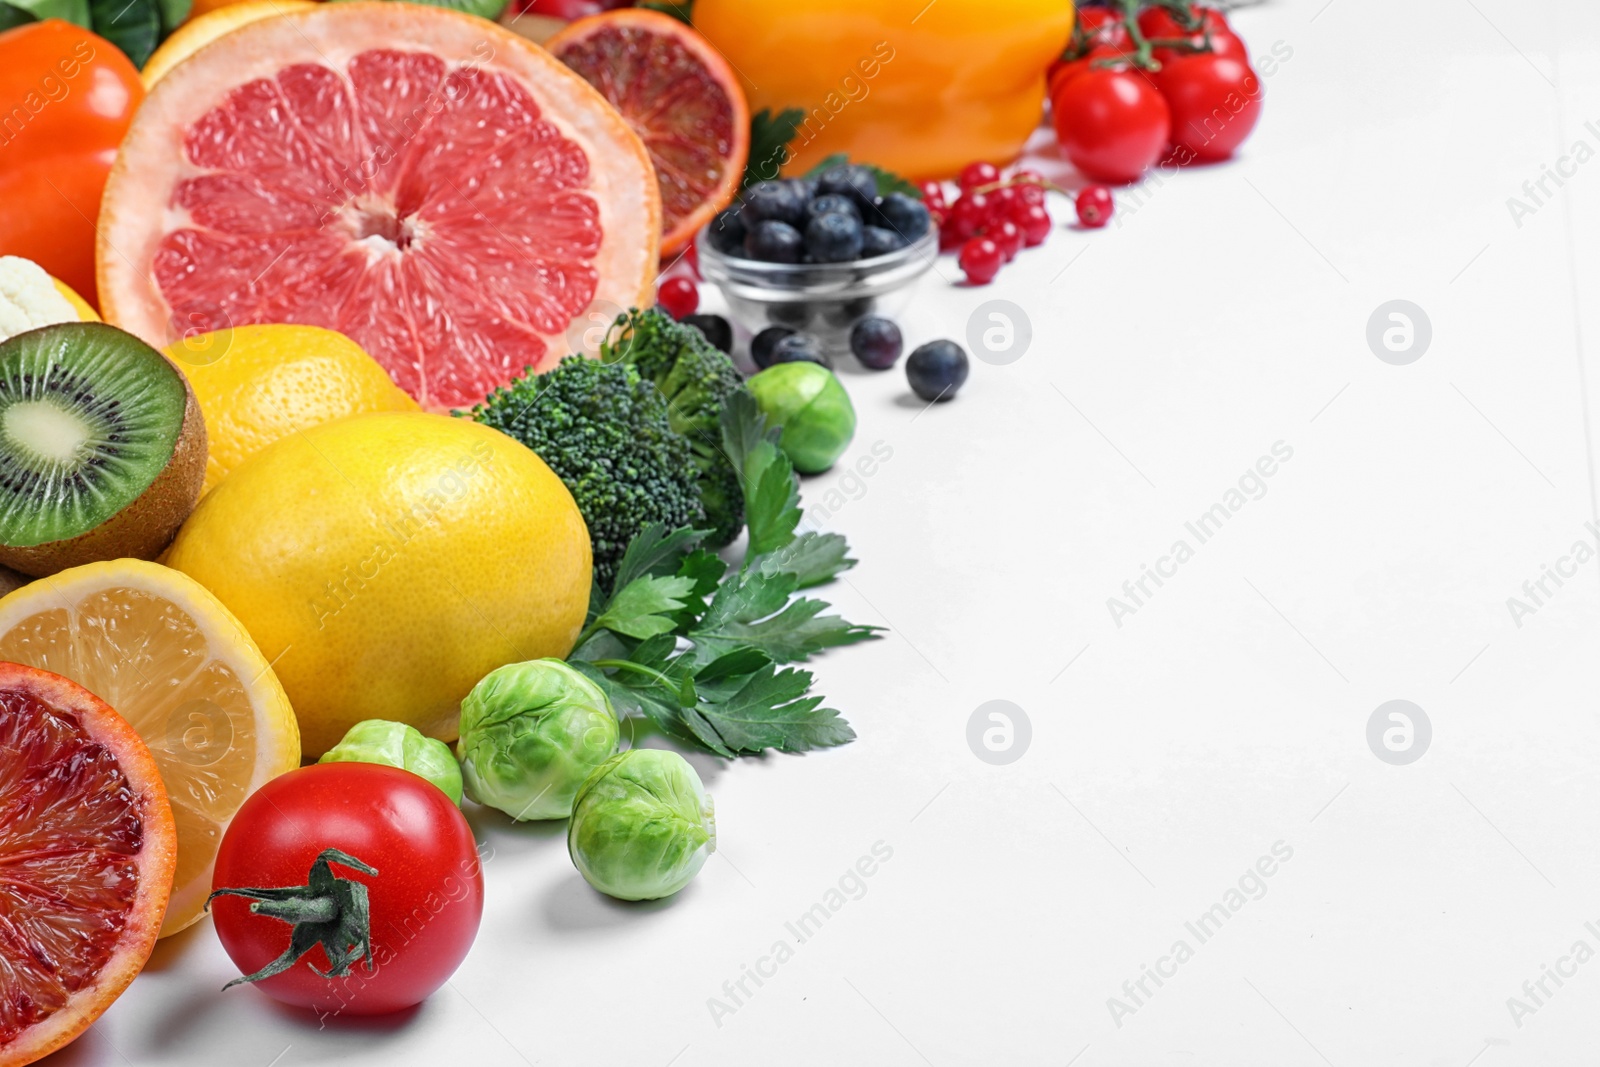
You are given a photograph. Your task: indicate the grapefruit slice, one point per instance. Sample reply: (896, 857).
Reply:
(86, 858)
(185, 675)
(681, 98)
(202, 29)
(429, 184)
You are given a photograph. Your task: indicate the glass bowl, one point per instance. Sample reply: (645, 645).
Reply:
(825, 299)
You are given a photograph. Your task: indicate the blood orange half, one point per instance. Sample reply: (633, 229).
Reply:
(87, 850)
(429, 184)
(680, 96)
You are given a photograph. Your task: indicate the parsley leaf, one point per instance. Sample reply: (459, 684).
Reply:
(753, 610)
(769, 143)
(813, 558)
(770, 709)
(888, 181)
(647, 606)
(771, 488)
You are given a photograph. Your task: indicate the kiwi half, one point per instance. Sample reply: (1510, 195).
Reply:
(102, 448)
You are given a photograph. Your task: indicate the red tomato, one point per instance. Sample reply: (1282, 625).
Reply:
(1103, 26)
(1215, 103)
(57, 200)
(1062, 73)
(1112, 124)
(425, 900)
(1158, 23)
(68, 99)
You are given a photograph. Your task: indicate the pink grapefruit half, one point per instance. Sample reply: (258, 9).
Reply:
(433, 186)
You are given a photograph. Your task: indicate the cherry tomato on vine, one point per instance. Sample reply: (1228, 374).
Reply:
(1103, 25)
(303, 846)
(1112, 124)
(1215, 102)
(1158, 23)
(1062, 73)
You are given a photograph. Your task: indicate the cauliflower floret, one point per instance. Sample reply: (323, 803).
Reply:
(29, 298)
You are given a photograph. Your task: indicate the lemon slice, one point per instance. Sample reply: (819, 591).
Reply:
(167, 655)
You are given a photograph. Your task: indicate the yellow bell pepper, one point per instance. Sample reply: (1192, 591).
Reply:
(921, 88)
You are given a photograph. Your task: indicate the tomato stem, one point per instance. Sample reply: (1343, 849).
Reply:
(328, 911)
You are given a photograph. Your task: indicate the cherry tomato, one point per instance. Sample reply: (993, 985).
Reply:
(1103, 25)
(69, 97)
(1158, 23)
(425, 898)
(1062, 73)
(1215, 102)
(1112, 124)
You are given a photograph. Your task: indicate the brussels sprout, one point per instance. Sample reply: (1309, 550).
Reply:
(394, 744)
(815, 412)
(642, 825)
(530, 734)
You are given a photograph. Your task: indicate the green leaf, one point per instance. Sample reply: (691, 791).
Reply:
(132, 25)
(657, 705)
(813, 558)
(888, 181)
(646, 606)
(173, 12)
(73, 11)
(770, 710)
(753, 611)
(739, 661)
(771, 488)
(683, 12)
(655, 551)
(12, 16)
(769, 143)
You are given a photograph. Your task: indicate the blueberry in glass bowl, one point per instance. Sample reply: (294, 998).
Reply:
(852, 254)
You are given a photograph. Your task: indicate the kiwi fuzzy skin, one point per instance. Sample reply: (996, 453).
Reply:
(144, 528)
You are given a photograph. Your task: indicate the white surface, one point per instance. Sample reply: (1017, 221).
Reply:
(1226, 313)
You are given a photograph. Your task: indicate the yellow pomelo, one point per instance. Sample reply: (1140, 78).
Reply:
(256, 384)
(387, 562)
(172, 661)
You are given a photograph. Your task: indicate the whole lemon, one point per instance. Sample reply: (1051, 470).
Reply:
(385, 563)
(256, 384)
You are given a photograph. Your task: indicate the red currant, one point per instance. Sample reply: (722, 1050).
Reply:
(933, 196)
(1001, 202)
(1009, 237)
(679, 296)
(981, 259)
(1025, 176)
(975, 174)
(1094, 205)
(1034, 224)
(970, 215)
(1029, 193)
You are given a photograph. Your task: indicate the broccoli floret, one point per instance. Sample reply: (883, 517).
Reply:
(695, 377)
(604, 431)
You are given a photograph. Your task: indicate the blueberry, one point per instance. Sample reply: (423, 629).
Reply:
(876, 342)
(906, 215)
(831, 204)
(834, 238)
(856, 182)
(805, 187)
(761, 344)
(800, 348)
(717, 329)
(773, 242)
(936, 370)
(877, 241)
(727, 231)
(775, 201)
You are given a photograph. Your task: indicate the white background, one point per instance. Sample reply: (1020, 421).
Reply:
(1224, 313)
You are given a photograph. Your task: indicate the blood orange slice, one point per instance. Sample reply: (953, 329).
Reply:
(680, 96)
(429, 184)
(86, 858)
